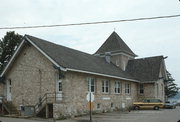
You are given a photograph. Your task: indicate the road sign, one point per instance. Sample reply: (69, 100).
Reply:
(90, 97)
(90, 105)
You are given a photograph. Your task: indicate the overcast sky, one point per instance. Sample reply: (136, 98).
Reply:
(145, 38)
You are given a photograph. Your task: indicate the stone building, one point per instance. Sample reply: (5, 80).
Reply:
(55, 80)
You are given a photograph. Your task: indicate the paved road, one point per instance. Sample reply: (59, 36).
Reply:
(164, 115)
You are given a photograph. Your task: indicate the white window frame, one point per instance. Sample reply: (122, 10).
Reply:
(127, 88)
(91, 83)
(105, 86)
(9, 90)
(117, 87)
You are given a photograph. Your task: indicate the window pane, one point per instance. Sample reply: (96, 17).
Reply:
(91, 84)
(141, 91)
(107, 83)
(107, 89)
(102, 86)
(88, 85)
(92, 88)
(60, 86)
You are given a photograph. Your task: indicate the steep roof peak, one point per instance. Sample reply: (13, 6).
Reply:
(114, 43)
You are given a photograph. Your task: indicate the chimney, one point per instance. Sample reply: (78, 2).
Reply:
(108, 57)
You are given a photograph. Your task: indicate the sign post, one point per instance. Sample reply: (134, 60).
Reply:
(90, 109)
(90, 99)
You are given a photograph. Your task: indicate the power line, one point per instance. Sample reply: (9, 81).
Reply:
(90, 23)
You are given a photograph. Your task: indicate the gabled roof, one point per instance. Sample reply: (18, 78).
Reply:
(145, 69)
(114, 43)
(74, 60)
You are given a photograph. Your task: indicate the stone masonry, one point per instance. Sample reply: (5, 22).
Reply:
(32, 75)
(75, 89)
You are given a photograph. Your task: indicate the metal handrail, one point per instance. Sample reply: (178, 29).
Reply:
(44, 100)
(4, 101)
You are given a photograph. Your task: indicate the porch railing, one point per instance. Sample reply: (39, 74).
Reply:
(47, 98)
(3, 101)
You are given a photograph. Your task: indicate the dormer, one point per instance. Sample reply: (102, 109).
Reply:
(120, 52)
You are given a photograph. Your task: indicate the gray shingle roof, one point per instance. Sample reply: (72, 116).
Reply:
(70, 58)
(114, 43)
(145, 69)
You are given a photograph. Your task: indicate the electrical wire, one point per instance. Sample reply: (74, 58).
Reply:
(90, 23)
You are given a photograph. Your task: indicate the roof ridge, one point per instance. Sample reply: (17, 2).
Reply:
(58, 44)
(114, 42)
(148, 57)
(145, 69)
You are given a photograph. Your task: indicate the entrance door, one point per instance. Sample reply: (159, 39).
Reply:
(9, 87)
(59, 90)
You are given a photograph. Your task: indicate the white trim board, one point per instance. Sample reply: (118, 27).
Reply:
(63, 69)
(99, 74)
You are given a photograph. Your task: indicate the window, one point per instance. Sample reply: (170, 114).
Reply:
(112, 105)
(162, 89)
(117, 87)
(141, 88)
(127, 88)
(9, 82)
(10, 86)
(105, 86)
(91, 84)
(98, 106)
(157, 90)
(60, 86)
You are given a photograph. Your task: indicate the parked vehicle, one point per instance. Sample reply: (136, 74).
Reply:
(149, 104)
(169, 104)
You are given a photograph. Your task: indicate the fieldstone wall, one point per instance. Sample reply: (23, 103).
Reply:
(75, 89)
(153, 90)
(159, 90)
(32, 75)
(149, 91)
